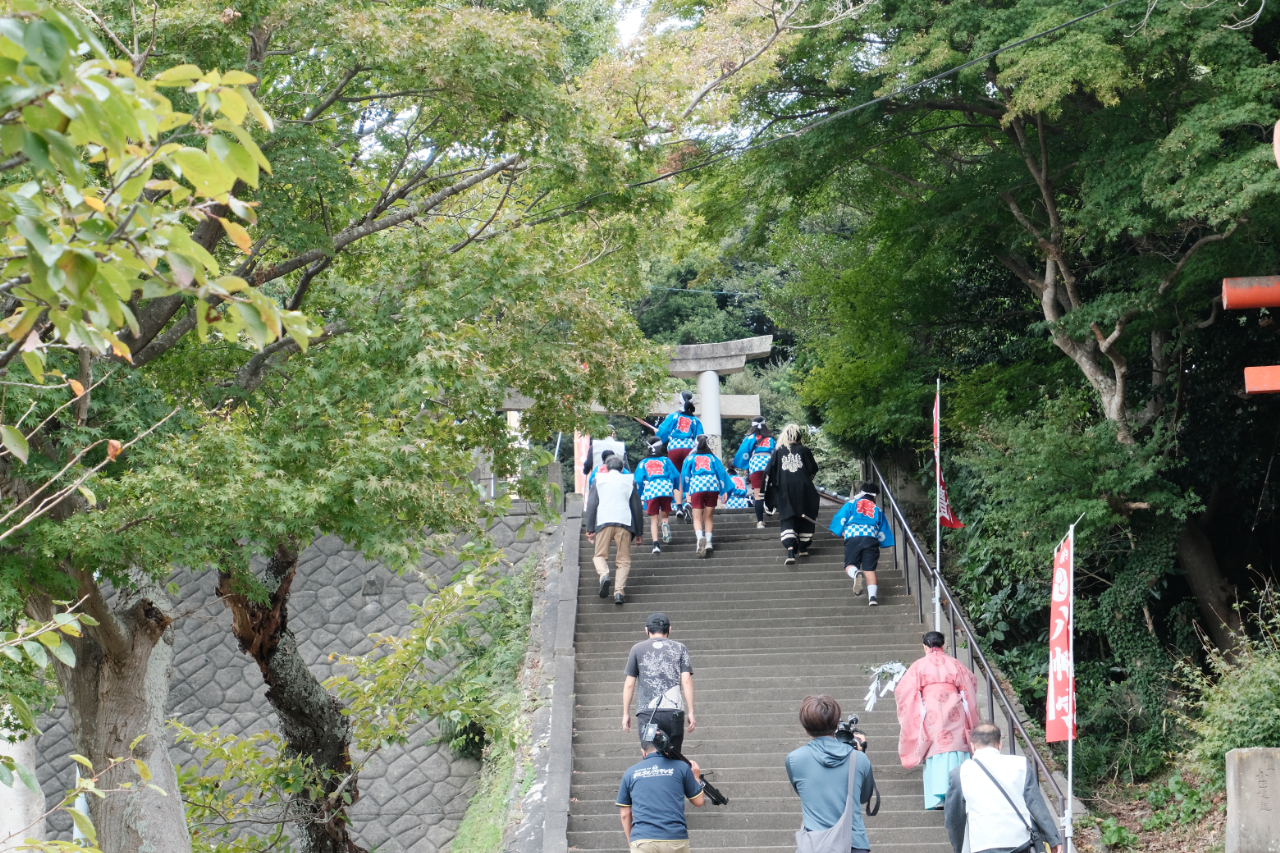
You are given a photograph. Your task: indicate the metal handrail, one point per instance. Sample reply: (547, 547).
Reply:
(954, 616)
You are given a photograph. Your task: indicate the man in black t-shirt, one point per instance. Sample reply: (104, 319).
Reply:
(660, 668)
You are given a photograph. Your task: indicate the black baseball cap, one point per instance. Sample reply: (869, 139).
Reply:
(658, 623)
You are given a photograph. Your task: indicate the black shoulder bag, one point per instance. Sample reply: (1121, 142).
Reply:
(1037, 841)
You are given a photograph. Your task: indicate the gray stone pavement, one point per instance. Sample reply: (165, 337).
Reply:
(413, 797)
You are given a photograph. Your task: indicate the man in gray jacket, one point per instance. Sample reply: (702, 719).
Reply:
(614, 515)
(979, 818)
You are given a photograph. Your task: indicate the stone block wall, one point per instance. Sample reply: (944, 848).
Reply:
(413, 797)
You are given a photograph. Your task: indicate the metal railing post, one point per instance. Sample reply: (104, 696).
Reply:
(906, 565)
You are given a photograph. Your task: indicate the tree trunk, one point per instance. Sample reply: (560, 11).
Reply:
(116, 695)
(1215, 596)
(310, 719)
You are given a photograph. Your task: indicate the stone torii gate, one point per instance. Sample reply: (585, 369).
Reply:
(707, 363)
(704, 362)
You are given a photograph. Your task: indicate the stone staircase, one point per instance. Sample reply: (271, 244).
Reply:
(761, 636)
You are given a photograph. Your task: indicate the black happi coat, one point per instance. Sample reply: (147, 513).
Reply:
(788, 482)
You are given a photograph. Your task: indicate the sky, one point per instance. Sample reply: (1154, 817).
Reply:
(630, 17)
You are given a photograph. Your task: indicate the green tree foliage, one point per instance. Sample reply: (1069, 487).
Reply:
(90, 225)
(410, 150)
(1047, 230)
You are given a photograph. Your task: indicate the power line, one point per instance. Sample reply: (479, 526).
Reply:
(825, 119)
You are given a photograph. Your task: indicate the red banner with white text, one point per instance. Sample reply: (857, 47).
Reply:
(1060, 715)
(946, 515)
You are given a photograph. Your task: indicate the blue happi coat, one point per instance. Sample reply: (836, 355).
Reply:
(740, 497)
(656, 477)
(600, 469)
(703, 472)
(860, 518)
(680, 431)
(753, 455)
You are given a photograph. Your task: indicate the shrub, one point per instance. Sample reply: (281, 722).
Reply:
(1235, 702)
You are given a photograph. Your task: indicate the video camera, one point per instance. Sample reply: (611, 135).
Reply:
(848, 732)
(654, 734)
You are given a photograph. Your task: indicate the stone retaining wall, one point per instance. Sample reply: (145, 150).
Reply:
(412, 797)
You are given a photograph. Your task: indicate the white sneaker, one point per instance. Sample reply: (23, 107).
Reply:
(702, 547)
(666, 533)
(859, 581)
(759, 525)
(707, 549)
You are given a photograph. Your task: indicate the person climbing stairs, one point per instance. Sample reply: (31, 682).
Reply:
(761, 635)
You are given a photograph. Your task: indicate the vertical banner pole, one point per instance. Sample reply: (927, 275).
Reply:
(937, 509)
(1060, 707)
(1068, 841)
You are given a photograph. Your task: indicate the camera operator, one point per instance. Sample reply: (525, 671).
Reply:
(652, 794)
(833, 779)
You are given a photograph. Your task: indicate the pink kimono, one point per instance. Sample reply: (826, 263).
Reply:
(937, 708)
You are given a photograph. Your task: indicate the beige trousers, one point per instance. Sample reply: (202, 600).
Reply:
(645, 845)
(621, 537)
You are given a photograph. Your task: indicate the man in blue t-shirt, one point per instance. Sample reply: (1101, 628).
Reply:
(652, 796)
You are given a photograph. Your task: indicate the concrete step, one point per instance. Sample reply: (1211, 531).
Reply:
(761, 636)
(888, 618)
(741, 803)
(753, 589)
(802, 640)
(878, 725)
(758, 549)
(723, 757)
(832, 600)
(909, 792)
(852, 615)
(731, 664)
(764, 781)
(735, 815)
(737, 836)
(755, 685)
(715, 704)
(922, 847)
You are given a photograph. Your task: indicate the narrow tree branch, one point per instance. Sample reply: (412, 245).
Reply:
(473, 235)
(102, 24)
(1022, 270)
(1213, 314)
(254, 371)
(166, 341)
(16, 346)
(1195, 247)
(348, 236)
(305, 284)
(333, 96)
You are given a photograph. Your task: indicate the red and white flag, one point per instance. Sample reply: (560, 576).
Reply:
(946, 515)
(1060, 715)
